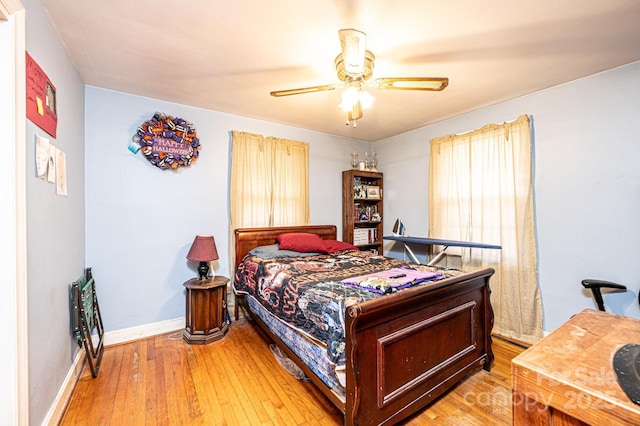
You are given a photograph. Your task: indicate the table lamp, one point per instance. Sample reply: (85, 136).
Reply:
(203, 250)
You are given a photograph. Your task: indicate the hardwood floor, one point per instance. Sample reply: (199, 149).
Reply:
(237, 381)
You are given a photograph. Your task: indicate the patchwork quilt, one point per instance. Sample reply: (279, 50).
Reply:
(312, 293)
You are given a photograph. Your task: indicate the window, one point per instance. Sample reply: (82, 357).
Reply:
(269, 181)
(480, 190)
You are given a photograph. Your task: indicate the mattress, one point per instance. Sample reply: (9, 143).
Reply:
(303, 299)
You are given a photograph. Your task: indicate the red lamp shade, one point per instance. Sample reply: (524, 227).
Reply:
(203, 250)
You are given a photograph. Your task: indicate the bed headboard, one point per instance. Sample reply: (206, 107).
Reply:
(249, 238)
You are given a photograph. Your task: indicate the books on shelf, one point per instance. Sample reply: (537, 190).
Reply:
(363, 236)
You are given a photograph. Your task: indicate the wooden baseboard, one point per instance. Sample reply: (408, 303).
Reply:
(54, 416)
(523, 345)
(143, 331)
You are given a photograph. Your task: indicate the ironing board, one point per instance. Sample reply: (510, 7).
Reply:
(433, 242)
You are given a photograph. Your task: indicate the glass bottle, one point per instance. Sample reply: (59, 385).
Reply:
(354, 159)
(374, 161)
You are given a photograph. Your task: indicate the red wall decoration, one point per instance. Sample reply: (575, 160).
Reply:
(41, 98)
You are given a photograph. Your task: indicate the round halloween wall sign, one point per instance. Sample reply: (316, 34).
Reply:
(168, 142)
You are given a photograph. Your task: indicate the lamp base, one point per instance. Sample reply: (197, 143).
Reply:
(203, 270)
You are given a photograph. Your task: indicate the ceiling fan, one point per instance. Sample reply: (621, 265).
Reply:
(354, 67)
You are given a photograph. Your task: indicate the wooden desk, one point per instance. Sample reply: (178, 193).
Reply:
(567, 378)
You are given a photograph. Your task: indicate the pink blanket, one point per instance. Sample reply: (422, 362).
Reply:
(391, 279)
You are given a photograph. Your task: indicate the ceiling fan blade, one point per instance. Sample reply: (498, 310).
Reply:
(302, 90)
(353, 43)
(412, 83)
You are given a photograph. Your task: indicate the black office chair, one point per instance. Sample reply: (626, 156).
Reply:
(625, 359)
(596, 285)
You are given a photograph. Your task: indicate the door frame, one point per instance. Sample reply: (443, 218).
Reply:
(13, 251)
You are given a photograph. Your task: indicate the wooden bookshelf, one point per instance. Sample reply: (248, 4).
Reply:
(362, 215)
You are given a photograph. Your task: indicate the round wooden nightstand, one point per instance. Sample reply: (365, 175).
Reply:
(206, 310)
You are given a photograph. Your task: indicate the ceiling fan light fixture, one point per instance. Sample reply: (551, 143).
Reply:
(364, 75)
(349, 98)
(354, 100)
(353, 48)
(365, 99)
(355, 95)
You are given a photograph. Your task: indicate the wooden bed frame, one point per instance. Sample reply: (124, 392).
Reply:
(403, 350)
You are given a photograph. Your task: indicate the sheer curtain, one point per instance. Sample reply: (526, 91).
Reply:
(269, 182)
(480, 189)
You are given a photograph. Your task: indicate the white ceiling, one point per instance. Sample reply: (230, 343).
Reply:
(228, 55)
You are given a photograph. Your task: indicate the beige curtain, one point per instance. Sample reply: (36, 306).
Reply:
(480, 189)
(269, 182)
(269, 185)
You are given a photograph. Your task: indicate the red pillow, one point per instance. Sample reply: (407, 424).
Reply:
(334, 246)
(302, 242)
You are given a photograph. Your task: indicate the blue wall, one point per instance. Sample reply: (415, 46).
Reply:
(587, 185)
(141, 220)
(55, 224)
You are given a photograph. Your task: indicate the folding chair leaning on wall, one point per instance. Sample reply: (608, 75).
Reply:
(86, 318)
